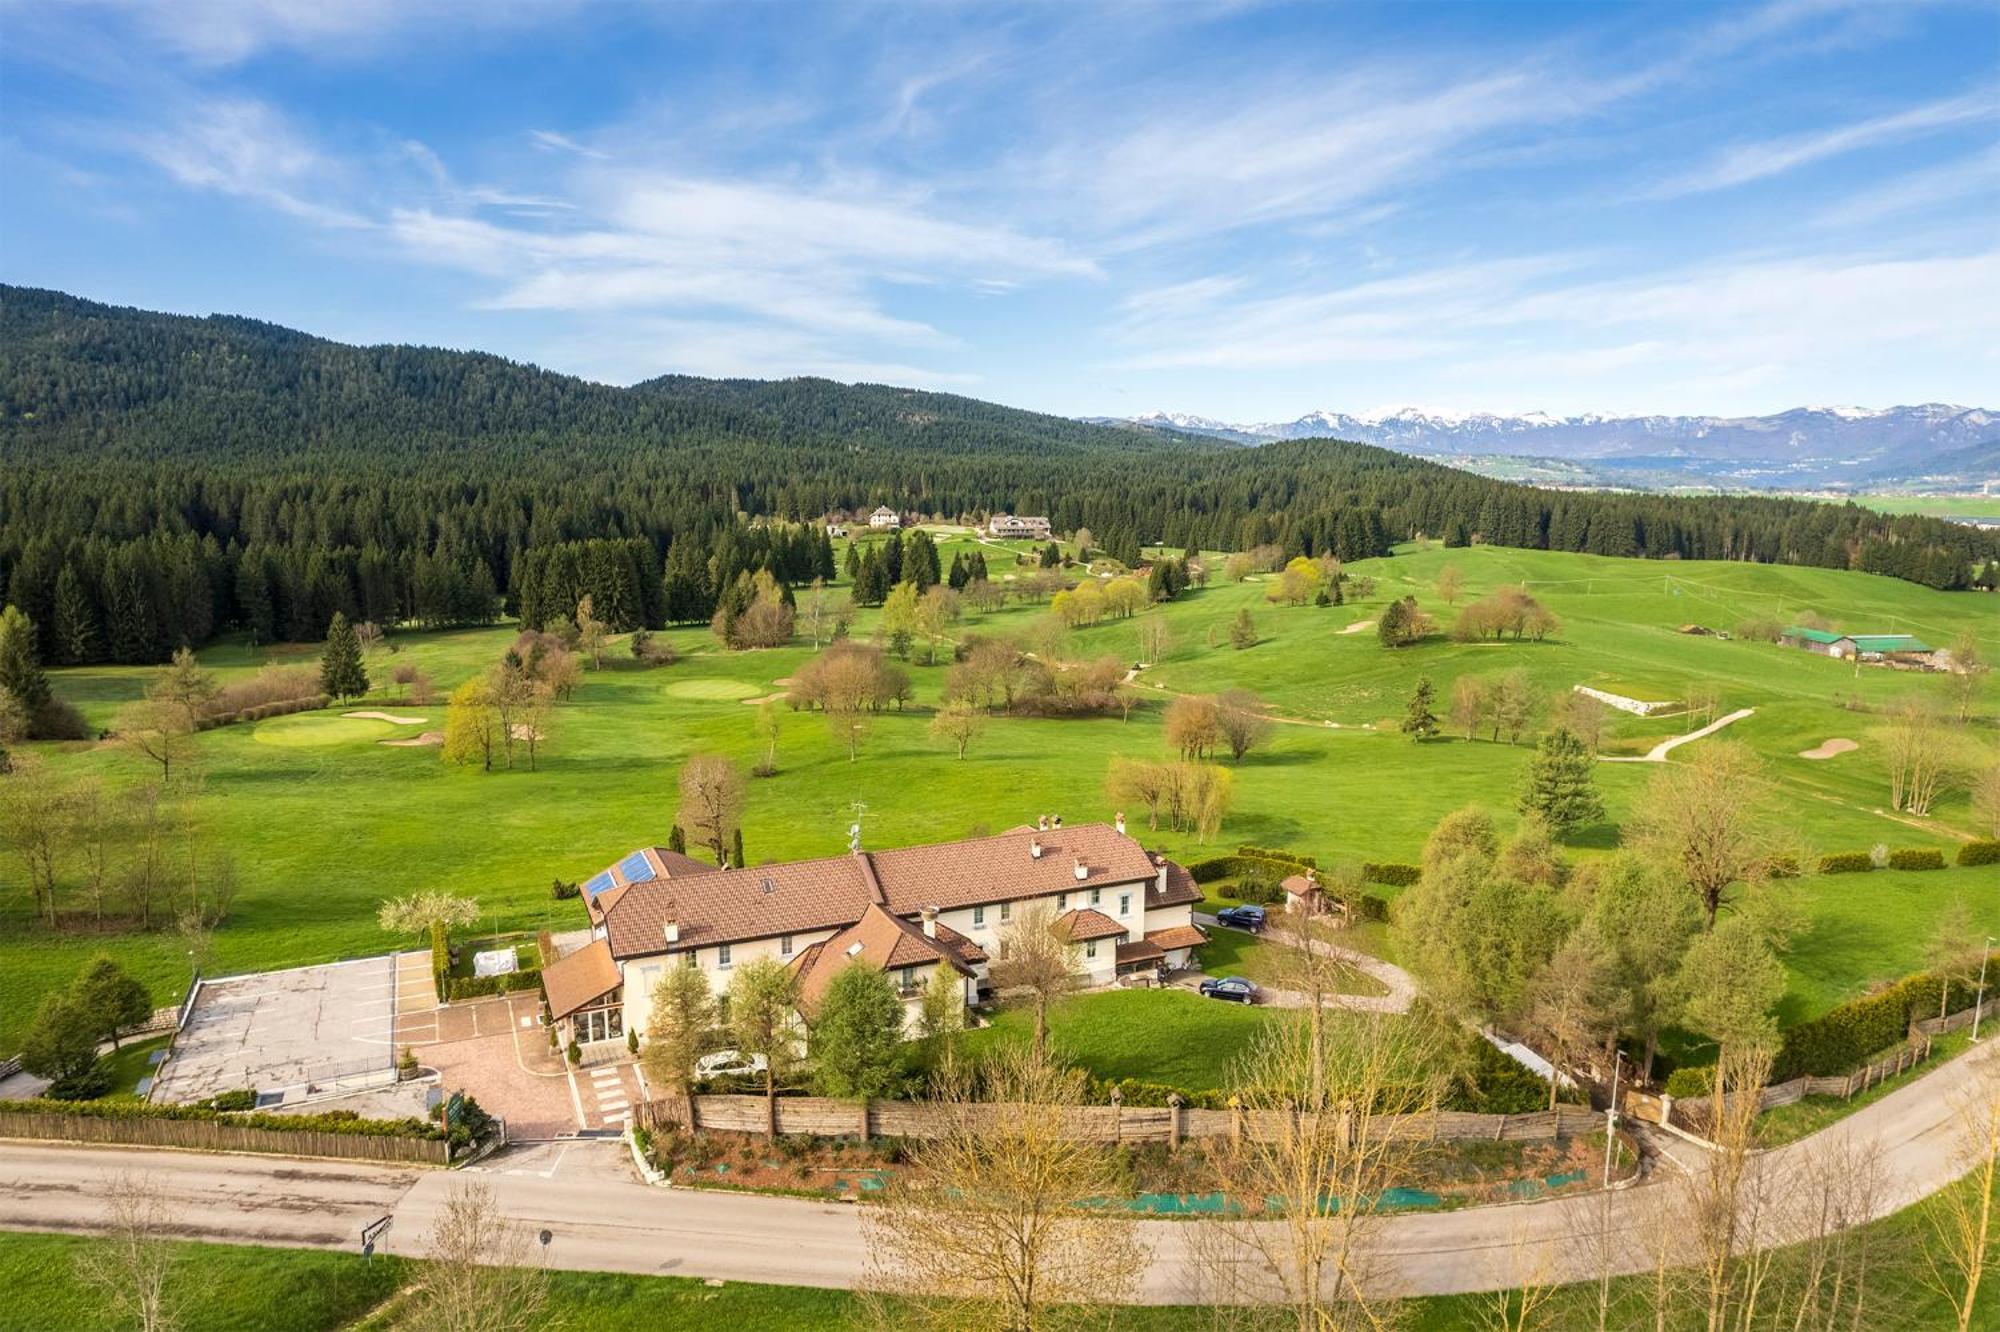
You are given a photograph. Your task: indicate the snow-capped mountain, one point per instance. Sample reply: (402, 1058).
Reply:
(1801, 445)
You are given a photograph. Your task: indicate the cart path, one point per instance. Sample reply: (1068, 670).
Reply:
(1658, 753)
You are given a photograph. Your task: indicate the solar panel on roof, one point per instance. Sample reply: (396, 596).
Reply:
(636, 868)
(598, 885)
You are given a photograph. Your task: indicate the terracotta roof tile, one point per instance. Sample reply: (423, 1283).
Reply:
(1177, 936)
(574, 980)
(1139, 950)
(714, 906)
(879, 939)
(1083, 924)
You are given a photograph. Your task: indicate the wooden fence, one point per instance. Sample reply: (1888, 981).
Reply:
(1172, 1125)
(212, 1135)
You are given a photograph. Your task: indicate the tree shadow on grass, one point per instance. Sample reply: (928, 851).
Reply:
(1595, 837)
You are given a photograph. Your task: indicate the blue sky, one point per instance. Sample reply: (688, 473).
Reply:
(1239, 210)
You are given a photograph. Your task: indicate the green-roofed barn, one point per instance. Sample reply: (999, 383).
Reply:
(1896, 649)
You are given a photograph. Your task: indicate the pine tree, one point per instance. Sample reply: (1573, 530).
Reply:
(1560, 787)
(736, 850)
(1243, 632)
(20, 662)
(74, 620)
(677, 840)
(341, 673)
(1420, 723)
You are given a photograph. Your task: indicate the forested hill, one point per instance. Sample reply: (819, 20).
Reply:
(163, 478)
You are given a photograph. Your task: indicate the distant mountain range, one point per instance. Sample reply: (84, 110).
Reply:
(1936, 443)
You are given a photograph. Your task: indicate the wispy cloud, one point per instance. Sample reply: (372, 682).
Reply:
(228, 32)
(1747, 162)
(245, 148)
(552, 140)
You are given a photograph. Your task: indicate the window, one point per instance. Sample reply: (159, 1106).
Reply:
(979, 918)
(1062, 901)
(908, 979)
(1096, 896)
(1124, 904)
(692, 957)
(1090, 949)
(722, 955)
(1006, 912)
(784, 945)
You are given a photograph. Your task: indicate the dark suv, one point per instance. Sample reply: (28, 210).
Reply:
(1249, 918)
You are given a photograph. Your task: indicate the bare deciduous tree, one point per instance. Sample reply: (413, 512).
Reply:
(1239, 715)
(958, 724)
(1036, 956)
(712, 798)
(1919, 748)
(1324, 1118)
(988, 1228)
(479, 1275)
(155, 730)
(1961, 1241)
(130, 1267)
(426, 912)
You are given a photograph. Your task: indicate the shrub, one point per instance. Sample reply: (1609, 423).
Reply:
(575, 1053)
(88, 1085)
(1985, 852)
(478, 987)
(1688, 1083)
(1367, 906)
(1288, 856)
(1846, 862)
(329, 1121)
(440, 960)
(1391, 874)
(242, 1098)
(1848, 1035)
(563, 892)
(1916, 858)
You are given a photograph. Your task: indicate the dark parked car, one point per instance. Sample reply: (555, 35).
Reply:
(1249, 918)
(1235, 989)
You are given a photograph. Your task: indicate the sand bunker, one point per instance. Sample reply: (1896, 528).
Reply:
(390, 717)
(426, 739)
(1359, 627)
(1826, 749)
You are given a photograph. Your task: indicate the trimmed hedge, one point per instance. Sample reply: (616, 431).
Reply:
(1846, 862)
(1916, 858)
(329, 1121)
(1848, 1035)
(1265, 853)
(1391, 874)
(1982, 852)
(440, 960)
(477, 987)
(284, 707)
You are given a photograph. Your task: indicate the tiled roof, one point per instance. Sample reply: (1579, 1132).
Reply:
(968, 951)
(1181, 887)
(1177, 936)
(1083, 924)
(879, 939)
(1139, 950)
(714, 906)
(574, 980)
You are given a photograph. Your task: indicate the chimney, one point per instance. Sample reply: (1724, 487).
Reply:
(1082, 871)
(672, 929)
(930, 922)
(1055, 821)
(1035, 848)
(1041, 823)
(1120, 823)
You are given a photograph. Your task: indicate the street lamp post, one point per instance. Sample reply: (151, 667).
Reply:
(1979, 1000)
(1611, 1114)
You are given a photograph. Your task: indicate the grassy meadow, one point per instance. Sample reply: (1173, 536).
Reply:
(323, 822)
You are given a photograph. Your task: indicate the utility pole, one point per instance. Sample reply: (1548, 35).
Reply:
(1611, 1114)
(1979, 1001)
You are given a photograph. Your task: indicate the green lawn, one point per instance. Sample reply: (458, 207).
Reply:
(323, 822)
(1234, 953)
(1165, 1036)
(130, 1063)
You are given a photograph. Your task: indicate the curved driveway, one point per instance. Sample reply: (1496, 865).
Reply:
(604, 1220)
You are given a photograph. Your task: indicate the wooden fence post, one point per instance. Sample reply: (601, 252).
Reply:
(865, 1107)
(1235, 1121)
(1500, 1129)
(1174, 1125)
(1117, 1115)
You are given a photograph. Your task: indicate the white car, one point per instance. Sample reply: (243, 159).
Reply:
(728, 1063)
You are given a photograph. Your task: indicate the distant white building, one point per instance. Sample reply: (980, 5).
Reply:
(1005, 525)
(885, 519)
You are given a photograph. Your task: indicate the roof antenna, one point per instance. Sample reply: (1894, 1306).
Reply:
(854, 828)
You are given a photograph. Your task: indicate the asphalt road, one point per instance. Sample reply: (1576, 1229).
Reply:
(603, 1218)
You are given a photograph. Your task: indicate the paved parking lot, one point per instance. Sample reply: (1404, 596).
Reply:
(496, 1050)
(296, 1032)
